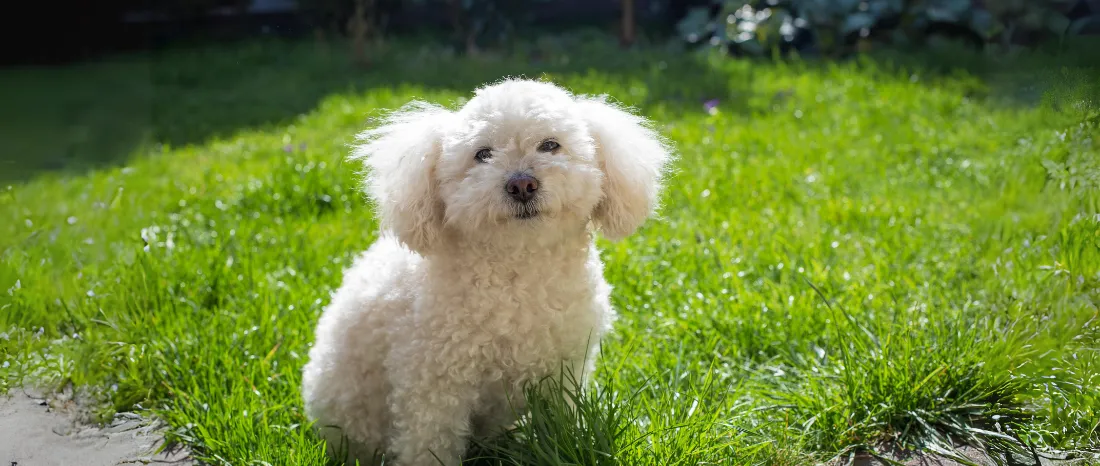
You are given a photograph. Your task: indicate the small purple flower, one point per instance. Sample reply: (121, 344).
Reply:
(288, 148)
(711, 106)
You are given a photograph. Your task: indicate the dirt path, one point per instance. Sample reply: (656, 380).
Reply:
(35, 433)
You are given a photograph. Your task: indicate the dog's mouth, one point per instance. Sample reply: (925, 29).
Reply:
(525, 213)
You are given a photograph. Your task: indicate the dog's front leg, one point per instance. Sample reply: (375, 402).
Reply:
(432, 402)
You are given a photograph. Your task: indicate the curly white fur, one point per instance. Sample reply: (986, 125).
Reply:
(462, 300)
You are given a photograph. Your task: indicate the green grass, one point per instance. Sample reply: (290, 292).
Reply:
(852, 256)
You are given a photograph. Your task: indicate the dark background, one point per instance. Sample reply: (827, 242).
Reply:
(43, 32)
(37, 32)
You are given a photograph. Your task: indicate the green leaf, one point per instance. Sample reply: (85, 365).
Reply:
(841, 7)
(948, 11)
(857, 21)
(695, 25)
(983, 23)
(1080, 24)
(1057, 22)
(880, 8)
(752, 46)
(1034, 19)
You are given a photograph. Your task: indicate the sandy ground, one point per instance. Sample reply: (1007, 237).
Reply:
(34, 432)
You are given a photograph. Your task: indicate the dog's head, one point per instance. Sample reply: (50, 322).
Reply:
(522, 160)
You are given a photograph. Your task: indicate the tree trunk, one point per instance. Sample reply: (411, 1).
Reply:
(463, 33)
(360, 30)
(626, 32)
(319, 42)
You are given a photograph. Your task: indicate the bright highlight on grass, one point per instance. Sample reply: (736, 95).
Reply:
(852, 257)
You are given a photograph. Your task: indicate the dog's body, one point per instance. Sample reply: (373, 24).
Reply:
(487, 276)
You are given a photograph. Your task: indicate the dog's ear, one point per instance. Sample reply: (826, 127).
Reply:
(633, 158)
(400, 155)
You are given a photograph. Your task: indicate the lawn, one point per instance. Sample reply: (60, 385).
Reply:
(852, 256)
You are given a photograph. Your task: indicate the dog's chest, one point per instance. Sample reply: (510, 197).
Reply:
(541, 317)
(526, 323)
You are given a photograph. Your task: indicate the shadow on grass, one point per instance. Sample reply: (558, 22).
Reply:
(1054, 74)
(89, 116)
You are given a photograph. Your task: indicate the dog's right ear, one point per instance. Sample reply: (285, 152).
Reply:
(400, 156)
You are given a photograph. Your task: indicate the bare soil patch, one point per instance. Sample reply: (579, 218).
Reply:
(48, 431)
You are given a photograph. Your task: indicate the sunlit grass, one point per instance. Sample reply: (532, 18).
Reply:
(852, 256)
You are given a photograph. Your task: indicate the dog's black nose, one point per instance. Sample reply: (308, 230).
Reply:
(522, 187)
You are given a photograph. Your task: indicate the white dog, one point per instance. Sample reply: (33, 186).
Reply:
(486, 275)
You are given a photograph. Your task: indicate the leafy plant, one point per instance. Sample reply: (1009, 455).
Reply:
(758, 27)
(842, 26)
(480, 23)
(345, 16)
(742, 26)
(993, 20)
(475, 24)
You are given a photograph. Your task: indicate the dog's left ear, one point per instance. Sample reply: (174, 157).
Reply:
(400, 155)
(633, 158)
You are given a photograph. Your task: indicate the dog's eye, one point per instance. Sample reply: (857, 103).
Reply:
(483, 155)
(548, 146)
